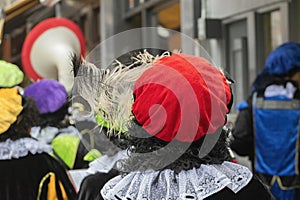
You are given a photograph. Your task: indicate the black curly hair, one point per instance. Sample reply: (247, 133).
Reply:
(28, 118)
(190, 157)
(57, 119)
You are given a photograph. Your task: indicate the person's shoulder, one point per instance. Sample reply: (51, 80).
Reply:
(99, 177)
(255, 189)
(92, 184)
(243, 105)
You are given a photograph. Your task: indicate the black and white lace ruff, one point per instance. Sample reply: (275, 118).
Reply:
(196, 183)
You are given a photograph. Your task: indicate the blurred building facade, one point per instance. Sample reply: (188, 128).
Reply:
(20, 16)
(238, 34)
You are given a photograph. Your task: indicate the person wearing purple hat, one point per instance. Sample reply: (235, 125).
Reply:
(49, 95)
(267, 126)
(51, 98)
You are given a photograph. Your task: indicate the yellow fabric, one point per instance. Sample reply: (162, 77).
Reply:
(51, 192)
(52, 189)
(10, 107)
(41, 185)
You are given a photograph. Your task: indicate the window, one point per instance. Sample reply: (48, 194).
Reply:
(272, 34)
(269, 34)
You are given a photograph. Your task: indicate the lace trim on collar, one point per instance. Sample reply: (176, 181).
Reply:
(10, 149)
(105, 163)
(191, 184)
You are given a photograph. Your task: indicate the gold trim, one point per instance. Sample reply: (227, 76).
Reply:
(42, 183)
(285, 188)
(273, 180)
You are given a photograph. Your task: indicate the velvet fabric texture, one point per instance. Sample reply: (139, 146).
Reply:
(10, 74)
(10, 107)
(50, 95)
(181, 97)
(20, 178)
(284, 58)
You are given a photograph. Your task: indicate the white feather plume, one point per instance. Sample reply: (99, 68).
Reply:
(109, 92)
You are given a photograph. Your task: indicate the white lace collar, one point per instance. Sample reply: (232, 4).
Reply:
(191, 184)
(105, 163)
(20, 148)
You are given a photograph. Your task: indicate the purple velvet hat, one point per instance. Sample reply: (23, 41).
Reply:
(49, 95)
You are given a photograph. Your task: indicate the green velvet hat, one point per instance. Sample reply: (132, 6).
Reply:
(10, 74)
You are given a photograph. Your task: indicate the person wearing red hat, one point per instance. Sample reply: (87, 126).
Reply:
(170, 112)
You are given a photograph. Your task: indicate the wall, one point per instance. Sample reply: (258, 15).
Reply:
(294, 21)
(227, 8)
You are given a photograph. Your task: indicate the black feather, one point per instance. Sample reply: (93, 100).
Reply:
(76, 62)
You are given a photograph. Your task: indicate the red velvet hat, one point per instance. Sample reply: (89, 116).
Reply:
(181, 97)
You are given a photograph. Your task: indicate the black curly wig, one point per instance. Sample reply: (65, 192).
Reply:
(190, 157)
(57, 119)
(28, 118)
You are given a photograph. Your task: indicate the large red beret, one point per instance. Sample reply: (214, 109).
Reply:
(181, 97)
